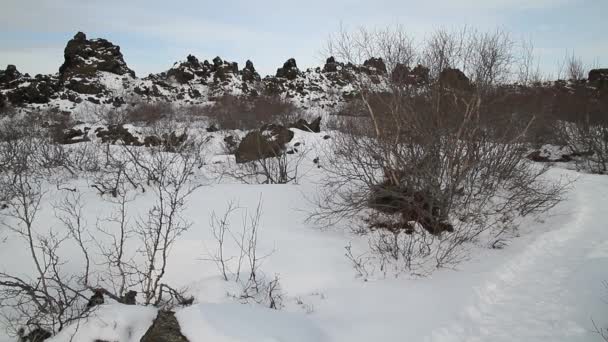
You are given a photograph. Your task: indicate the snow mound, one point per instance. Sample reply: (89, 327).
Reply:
(236, 323)
(114, 322)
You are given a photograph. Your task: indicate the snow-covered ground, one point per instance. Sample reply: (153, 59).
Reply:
(545, 285)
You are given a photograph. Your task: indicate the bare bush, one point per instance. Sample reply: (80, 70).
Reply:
(393, 44)
(284, 168)
(51, 298)
(142, 112)
(234, 112)
(436, 159)
(588, 139)
(169, 175)
(244, 268)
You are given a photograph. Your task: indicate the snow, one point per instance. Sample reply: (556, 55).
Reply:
(115, 322)
(546, 285)
(245, 323)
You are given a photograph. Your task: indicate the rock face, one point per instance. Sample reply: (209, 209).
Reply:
(269, 141)
(165, 328)
(85, 57)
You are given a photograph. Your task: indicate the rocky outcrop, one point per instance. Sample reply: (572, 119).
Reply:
(83, 58)
(269, 141)
(403, 75)
(165, 328)
(598, 75)
(599, 78)
(375, 66)
(10, 74)
(40, 89)
(289, 70)
(249, 74)
(331, 65)
(454, 79)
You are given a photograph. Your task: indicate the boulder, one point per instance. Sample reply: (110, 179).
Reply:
(269, 141)
(165, 328)
(314, 126)
(117, 133)
(412, 206)
(35, 335)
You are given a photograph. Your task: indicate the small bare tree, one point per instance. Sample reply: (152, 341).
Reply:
(244, 268)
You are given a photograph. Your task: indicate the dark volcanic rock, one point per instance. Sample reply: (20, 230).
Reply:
(165, 328)
(289, 70)
(249, 74)
(416, 206)
(598, 75)
(269, 141)
(599, 78)
(314, 126)
(402, 74)
(35, 335)
(377, 64)
(85, 57)
(34, 90)
(117, 133)
(454, 79)
(331, 65)
(10, 74)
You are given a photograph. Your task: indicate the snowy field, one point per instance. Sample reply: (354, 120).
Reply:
(545, 285)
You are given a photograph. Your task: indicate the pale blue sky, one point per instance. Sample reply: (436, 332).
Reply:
(154, 34)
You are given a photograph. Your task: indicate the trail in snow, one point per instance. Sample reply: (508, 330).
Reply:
(553, 289)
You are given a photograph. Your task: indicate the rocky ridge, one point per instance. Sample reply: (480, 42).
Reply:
(94, 72)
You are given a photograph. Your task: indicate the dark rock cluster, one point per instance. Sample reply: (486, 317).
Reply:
(85, 57)
(267, 142)
(289, 70)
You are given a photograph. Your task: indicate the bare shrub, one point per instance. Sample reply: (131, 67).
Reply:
(436, 159)
(51, 298)
(244, 268)
(143, 112)
(234, 112)
(588, 139)
(570, 67)
(284, 168)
